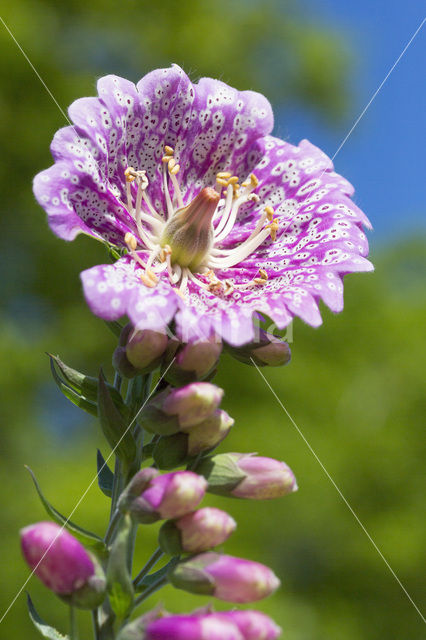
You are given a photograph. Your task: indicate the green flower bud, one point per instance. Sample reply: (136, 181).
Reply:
(266, 350)
(192, 361)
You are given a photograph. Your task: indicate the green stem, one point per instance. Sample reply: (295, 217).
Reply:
(152, 589)
(149, 565)
(95, 621)
(73, 624)
(112, 526)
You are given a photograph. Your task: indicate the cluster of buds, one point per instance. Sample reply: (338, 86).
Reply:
(144, 350)
(187, 424)
(189, 421)
(203, 625)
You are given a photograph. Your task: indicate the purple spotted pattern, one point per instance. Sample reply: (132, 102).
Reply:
(211, 127)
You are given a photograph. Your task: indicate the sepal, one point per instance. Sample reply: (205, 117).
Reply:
(44, 629)
(105, 475)
(221, 472)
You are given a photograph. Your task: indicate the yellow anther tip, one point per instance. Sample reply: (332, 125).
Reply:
(168, 150)
(175, 169)
(131, 241)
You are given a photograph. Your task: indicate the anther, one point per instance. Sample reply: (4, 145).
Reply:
(131, 241)
(269, 213)
(233, 180)
(169, 150)
(273, 227)
(148, 281)
(223, 174)
(222, 182)
(175, 169)
(130, 174)
(171, 163)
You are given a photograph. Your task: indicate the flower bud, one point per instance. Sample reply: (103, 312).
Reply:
(252, 624)
(175, 410)
(173, 451)
(162, 496)
(139, 351)
(195, 532)
(192, 361)
(181, 627)
(266, 350)
(247, 476)
(63, 564)
(225, 577)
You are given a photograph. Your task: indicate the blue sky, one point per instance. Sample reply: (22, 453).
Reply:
(384, 157)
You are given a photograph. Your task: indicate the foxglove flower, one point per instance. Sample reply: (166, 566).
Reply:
(63, 564)
(245, 475)
(253, 625)
(150, 496)
(181, 627)
(197, 531)
(216, 219)
(224, 577)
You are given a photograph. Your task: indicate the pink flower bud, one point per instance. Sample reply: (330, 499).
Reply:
(208, 627)
(266, 478)
(193, 361)
(56, 557)
(253, 625)
(175, 410)
(162, 496)
(247, 476)
(225, 577)
(205, 529)
(195, 532)
(193, 404)
(209, 433)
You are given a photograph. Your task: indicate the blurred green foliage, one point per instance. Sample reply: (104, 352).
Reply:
(354, 386)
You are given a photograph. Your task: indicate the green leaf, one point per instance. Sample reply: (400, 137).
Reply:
(44, 629)
(85, 386)
(119, 580)
(148, 581)
(114, 425)
(76, 398)
(105, 475)
(86, 537)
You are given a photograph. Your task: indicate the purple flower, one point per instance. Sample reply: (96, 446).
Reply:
(253, 625)
(225, 577)
(150, 496)
(187, 627)
(219, 219)
(56, 557)
(196, 532)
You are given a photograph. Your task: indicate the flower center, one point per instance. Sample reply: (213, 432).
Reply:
(189, 233)
(187, 240)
